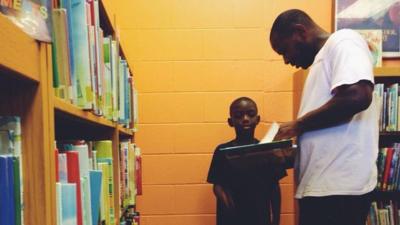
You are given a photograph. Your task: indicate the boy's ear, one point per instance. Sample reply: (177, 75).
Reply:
(258, 119)
(230, 122)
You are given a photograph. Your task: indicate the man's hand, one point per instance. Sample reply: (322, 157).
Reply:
(288, 130)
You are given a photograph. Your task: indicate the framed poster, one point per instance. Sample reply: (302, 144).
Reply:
(381, 15)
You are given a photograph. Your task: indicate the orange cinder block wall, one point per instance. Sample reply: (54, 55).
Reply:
(190, 59)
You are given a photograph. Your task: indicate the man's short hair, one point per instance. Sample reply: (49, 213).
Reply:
(282, 25)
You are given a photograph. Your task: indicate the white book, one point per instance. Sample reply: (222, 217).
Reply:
(270, 135)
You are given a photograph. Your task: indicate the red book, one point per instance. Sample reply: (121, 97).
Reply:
(388, 162)
(74, 177)
(138, 174)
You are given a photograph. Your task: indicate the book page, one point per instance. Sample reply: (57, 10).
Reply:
(270, 135)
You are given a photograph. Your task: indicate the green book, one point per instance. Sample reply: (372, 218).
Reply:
(17, 191)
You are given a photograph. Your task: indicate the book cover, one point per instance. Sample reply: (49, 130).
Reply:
(69, 209)
(17, 190)
(388, 160)
(7, 204)
(81, 59)
(74, 178)
(95, 193)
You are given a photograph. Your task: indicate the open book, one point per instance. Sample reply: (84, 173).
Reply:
(266, 151)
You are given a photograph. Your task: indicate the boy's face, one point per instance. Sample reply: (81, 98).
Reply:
(244, 116)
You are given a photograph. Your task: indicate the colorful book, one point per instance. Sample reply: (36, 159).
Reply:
(95, 194)
(74, 178)
(69, 209)
(7, 203)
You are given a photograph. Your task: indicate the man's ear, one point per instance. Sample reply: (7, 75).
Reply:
(258, 119)
(230, 122)
(299, 31)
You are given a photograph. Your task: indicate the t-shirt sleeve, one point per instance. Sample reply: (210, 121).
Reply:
(350, 62)
(216, 171)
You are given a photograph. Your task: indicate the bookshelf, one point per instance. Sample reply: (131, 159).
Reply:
(26, 90)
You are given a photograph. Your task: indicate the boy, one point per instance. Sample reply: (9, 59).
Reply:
(245, 197)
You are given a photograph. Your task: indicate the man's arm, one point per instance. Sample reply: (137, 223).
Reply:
(347, 101)
(224, 196)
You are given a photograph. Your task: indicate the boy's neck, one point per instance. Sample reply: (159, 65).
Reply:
(244, 139)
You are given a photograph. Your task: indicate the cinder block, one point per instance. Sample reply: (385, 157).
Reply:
(155, 138)
(278, 106)
(153, 76)
(178, 220)
(156, 200)
(194, 199)
(235, 44)
(176, 169)
(201, 137)
(144, 14)
(171, 107)
(287, 198)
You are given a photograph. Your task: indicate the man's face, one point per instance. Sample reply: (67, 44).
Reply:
(294, 50)
(244, 116)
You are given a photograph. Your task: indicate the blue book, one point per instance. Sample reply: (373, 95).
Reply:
(68, 204)
(7, 204)
(95, 192)
(66, 4)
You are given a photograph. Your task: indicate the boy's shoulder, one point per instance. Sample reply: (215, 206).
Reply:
(230, 143)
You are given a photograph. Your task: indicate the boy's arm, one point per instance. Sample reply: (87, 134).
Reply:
(224, 196)
(276, 203)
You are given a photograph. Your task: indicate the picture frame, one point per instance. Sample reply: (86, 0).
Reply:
(381, 15)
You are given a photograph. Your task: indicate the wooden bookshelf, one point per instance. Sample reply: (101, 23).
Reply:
(387, 71)
(26, 90)
(63, 107)
(20, 54)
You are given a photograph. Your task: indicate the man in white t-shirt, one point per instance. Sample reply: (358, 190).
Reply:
(337, 124)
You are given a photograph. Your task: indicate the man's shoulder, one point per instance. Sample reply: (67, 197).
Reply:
(345, 35)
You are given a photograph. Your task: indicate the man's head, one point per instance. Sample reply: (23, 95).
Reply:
(296, 37)
(243, 116)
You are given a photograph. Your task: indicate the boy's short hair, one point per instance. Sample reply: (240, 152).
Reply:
(238, 100)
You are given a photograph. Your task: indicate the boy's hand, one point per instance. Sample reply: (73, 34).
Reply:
(228, 201)
(288, 130)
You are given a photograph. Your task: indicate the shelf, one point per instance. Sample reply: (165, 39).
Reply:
(64, 107)
(387, 71)
(390, 134)
(19, 53)
(385, 195)
(124, 132)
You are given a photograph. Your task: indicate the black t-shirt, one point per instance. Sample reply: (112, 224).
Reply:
(250, 190)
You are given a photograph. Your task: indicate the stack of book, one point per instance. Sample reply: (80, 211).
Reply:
(11, 175)
(85, 181)
(388, 101)
(87, 67)
(389, 168)
(384, 213)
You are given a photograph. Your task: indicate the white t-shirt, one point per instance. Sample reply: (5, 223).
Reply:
(339, 160)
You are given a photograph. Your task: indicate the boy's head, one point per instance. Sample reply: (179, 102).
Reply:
(243, 116)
